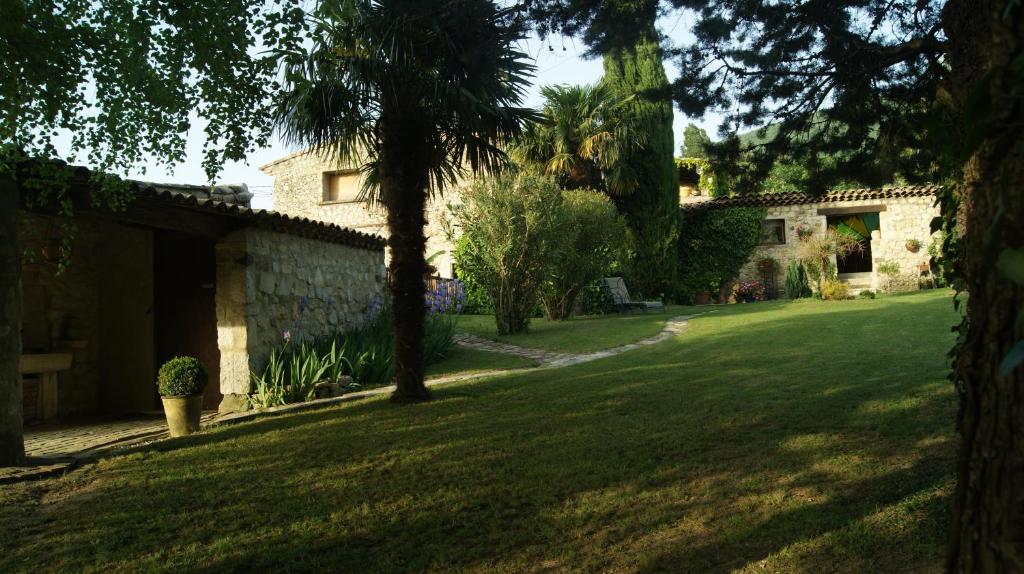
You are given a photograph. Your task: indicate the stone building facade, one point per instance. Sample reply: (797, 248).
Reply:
(183, 270)
(303, 188)
(889, 219)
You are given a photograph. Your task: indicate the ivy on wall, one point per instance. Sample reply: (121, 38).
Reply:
(713, 245)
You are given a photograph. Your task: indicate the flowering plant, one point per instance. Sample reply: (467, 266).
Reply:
(448, 297)
(751, 291)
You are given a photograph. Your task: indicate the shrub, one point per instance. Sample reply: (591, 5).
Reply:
(589, 243)
(182, 377)
(508, 241)
(596, 299)
(713, 245)
(478, 300)
(797, 285)
(866, 294)
(891, 271)
(365, 353)
(750, 291)
(816, 252)
(834, 290)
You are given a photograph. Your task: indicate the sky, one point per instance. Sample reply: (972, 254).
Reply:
(558, 61)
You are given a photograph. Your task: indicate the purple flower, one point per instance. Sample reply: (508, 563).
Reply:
(287, 336)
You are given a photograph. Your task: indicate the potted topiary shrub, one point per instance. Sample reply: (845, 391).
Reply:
(181, 382)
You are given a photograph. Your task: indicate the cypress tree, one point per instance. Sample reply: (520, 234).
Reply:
(651, 209)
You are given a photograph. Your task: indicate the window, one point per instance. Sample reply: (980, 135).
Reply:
(341, 186)
(773, 232)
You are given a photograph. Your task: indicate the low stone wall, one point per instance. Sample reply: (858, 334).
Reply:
(270, 283)
(903, 219)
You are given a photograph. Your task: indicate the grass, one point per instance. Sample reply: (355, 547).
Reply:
(776, 437)
(460, 360)
(579, 334)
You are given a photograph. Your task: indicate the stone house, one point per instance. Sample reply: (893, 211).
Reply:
(886, 220)
(309, 185)
(182, 270)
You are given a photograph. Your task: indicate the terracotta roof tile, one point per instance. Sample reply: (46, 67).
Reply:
(272, 220)
(795, 198)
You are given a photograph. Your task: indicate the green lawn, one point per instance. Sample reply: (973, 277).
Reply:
(579, 334)
(776, 437)
(460, 360)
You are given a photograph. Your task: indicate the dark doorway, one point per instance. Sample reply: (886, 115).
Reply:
(185, 305)
(859, 226)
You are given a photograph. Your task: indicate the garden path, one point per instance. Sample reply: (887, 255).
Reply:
(551, 359)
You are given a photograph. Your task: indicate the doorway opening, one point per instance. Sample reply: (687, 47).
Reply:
(858, 226)
(185, 305)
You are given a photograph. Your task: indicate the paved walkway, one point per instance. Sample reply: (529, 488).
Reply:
(551, 359)
(55, 450)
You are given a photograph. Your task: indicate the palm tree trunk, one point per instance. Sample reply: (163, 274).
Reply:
(404, 193)
(12, 443)
(987, 534)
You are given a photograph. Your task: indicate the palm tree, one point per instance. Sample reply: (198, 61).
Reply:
(415, 93)
(581, 138)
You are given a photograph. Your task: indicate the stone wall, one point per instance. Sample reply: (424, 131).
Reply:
(269, 283)
(298, 191)
(107, 326)
(903, 219)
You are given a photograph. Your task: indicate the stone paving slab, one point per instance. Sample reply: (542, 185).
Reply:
(34, 470)
(551, 359)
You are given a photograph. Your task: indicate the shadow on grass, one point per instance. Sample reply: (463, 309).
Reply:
(761, 434)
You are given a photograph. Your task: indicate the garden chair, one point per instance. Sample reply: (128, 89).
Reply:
(620, 296)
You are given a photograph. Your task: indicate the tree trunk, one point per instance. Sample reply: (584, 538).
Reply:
(404, 193)
(12, 443)
(988, 530)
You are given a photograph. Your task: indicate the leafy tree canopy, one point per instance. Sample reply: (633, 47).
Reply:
(844, 84)
(695, 142)
(126, 80)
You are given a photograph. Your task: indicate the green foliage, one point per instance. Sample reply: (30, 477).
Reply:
(127, 80)
(509, 239)
(713, 245)
(890, 268)
(478, 300)
(596, 298)
(869, 125)
(705, 176)
(786, 177)
(866, 294)
(834, 290)
(182, 377)
(816, 252)
(636, 72)
(394, 86)
(589, 241)
(797, 286)
(581, 138)
(365, 353)
(695, 142)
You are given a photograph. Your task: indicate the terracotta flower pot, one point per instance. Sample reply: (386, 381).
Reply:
(183, 414)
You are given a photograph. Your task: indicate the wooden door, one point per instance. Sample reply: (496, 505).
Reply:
(186, 312)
